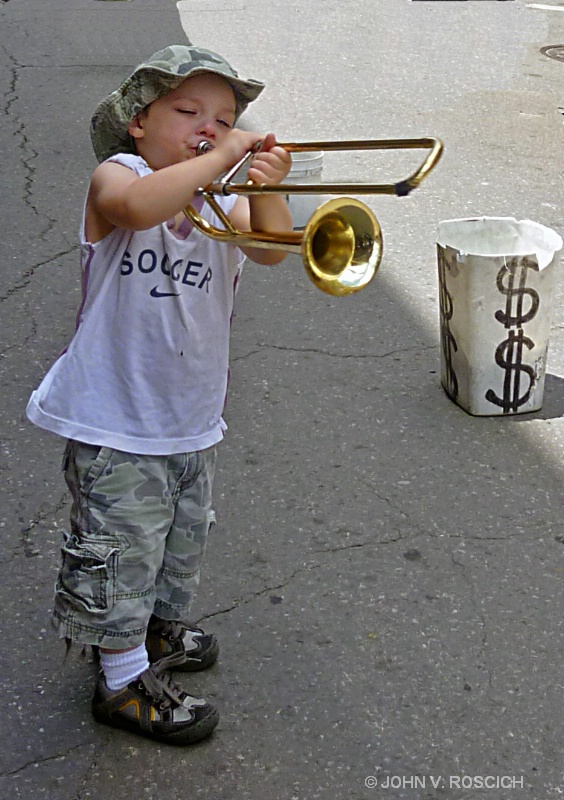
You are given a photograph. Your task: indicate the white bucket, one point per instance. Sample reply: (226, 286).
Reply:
(496, 285)
(306, 168)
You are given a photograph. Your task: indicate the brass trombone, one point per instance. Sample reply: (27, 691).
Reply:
(341, 245)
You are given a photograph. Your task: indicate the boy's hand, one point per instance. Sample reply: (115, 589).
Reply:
(235, 145)
(271, 164)
(265, 212)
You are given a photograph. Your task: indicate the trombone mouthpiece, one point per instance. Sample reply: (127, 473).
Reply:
(204, 147)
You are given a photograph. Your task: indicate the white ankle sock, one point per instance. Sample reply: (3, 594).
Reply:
(123, 667)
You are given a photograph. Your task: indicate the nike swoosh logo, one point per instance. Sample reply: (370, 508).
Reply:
(156, 293)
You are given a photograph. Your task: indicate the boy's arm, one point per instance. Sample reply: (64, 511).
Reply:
(120, 198)
(268, 213)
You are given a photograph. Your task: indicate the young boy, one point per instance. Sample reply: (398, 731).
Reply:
(140, 390)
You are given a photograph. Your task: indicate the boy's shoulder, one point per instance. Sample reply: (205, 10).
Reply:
(132, 161)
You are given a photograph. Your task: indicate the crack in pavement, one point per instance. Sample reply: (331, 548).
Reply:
(28, 154)
(319, 351)
(371, 543)
(244, 600)
(38, 762)
(41, 517)
(28, 275)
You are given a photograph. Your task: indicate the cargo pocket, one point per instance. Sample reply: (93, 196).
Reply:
(87, 579)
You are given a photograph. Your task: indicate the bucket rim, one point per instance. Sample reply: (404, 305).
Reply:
(551, 238)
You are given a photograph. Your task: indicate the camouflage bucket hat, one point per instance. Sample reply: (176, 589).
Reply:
(163, 72)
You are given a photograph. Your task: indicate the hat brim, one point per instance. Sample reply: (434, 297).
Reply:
(110, 121)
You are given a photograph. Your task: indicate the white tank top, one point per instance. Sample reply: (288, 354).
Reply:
(147, 369)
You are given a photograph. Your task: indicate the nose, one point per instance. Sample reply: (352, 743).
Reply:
(208, 129)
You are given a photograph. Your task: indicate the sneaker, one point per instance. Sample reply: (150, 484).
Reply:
(199, 650)
(154, 706)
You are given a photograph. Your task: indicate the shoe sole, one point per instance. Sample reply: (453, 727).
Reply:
(191, 734)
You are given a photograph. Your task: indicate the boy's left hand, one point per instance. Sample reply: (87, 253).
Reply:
(271, 164)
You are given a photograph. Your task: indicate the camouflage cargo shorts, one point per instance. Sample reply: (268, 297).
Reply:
(139, 527)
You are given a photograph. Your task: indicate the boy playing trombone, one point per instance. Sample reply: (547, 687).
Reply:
(139, 392)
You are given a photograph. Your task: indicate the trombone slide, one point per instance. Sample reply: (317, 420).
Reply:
(400, 188)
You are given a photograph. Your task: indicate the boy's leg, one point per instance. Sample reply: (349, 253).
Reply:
(169, 629)
(121, 515)
(120, 519)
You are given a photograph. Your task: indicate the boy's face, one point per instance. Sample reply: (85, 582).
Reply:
(171, 128)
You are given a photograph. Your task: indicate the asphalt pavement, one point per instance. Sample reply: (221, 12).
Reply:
(386, 574)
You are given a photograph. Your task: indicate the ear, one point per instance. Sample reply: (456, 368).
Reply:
(135, 127)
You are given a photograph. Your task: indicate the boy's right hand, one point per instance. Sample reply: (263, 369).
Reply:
(235, 146)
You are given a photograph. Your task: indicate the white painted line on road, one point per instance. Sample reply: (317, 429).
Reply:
(545, 8)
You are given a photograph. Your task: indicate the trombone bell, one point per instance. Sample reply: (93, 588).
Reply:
(342, 246)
